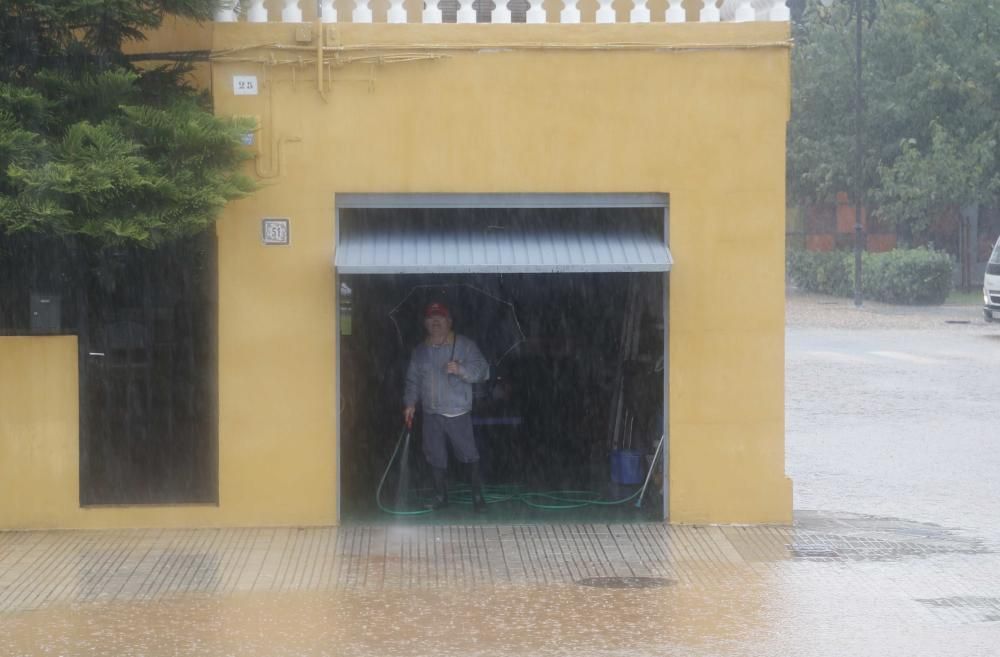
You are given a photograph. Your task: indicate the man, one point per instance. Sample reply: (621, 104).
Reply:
(440, 376)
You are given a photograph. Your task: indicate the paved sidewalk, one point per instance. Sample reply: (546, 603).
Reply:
(834, 584)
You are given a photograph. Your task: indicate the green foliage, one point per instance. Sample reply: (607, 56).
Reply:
(90, 145)
(921, 185)
(931, 92)
(822, 272)
(903, 276)
(907, 276)
(79, 34)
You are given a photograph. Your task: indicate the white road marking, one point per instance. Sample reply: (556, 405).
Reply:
(838, 356)
(909, 358)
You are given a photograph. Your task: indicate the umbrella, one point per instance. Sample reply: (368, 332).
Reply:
(488, 320)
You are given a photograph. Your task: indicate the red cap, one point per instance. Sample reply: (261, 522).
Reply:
(436, 308)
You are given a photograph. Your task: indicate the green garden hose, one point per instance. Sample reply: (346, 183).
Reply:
(549, 500)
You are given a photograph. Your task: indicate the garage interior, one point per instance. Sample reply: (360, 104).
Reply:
(569, 424)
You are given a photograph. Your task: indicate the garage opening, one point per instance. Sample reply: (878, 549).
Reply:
(568, 306)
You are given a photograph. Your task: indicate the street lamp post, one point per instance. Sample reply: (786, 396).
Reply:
(859, 190)
(859, 183)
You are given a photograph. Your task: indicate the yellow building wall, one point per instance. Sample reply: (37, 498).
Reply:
(485, 112)
(697, 111)
(39, 445)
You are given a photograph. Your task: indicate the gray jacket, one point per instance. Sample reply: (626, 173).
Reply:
(441, 393)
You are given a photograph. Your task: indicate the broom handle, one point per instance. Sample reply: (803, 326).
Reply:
(652, 466)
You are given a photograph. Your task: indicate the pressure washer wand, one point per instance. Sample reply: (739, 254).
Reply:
(404, 442)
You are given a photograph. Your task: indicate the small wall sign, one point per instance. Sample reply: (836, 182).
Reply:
(245, 85)
(274, 231)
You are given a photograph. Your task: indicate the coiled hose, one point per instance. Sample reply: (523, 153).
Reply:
(549, 500)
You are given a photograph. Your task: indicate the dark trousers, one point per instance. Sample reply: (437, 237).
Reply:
(455, 430)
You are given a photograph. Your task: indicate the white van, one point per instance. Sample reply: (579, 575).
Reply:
(991, 286)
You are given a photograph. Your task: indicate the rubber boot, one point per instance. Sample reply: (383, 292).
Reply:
(476, 481)
(440, 489)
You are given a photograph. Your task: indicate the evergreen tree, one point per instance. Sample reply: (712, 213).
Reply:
(931, 99)
(91, 144)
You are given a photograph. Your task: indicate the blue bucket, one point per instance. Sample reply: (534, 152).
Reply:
(626, 466)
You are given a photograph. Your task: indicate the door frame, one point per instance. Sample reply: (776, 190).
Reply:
(387, 201)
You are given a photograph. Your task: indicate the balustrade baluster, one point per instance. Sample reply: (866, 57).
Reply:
(570, 12)
(432, 13)
(257, 12)
(466, 14)
(327, 12)
(501, 13)
(744, 12)
(675, 12)
(709, 13)
(362, 12)
(605, 12)
(291, 13)
(396, 13)
(780, 11)
(226, 13)
(536, 13)
(640, 12)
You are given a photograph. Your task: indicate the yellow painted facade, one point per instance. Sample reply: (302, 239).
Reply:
(696, 111)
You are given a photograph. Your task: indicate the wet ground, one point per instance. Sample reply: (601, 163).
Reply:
(891, 441)
(894, 412)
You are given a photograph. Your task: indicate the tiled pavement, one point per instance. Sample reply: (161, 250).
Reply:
(833, 584)
(38, 569)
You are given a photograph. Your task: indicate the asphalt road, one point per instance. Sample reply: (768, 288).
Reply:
(894, 412)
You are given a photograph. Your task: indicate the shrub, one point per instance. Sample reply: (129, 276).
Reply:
(826, 273)
(901, 276)
(907, 276)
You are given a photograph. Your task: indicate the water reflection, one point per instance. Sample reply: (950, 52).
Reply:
(563, 619)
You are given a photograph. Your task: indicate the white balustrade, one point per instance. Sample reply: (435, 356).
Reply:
(327, 12)
(291, 13)
(396, 13)
(257, 12)
(605, 12)
(432, 13)
(709, 13)
(570, 12)
(362, 12)
(536, 13)
(466, 14)
(640, 12)
(675, 12)
(501, 13)
(226, 13)
(712, 11)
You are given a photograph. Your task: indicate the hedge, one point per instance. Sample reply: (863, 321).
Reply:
(901, 276)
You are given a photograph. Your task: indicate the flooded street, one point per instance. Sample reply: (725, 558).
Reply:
(891, 420)
(894, 412)
(805, 609)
